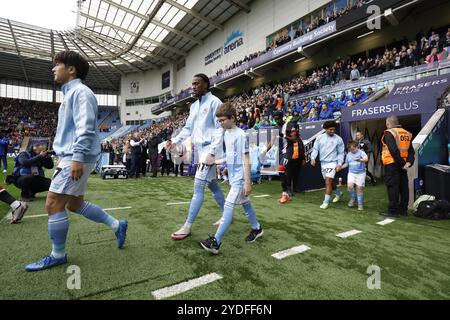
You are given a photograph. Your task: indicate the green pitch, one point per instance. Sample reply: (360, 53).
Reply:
(413, 254)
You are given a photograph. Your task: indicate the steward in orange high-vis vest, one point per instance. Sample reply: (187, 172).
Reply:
(397, 156)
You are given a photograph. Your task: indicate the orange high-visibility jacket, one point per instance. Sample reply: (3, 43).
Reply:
(403, 139)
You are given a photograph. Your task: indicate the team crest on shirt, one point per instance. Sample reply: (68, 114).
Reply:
(205, 110)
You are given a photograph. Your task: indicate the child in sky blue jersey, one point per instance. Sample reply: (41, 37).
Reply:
(356, 162)
(238, 163)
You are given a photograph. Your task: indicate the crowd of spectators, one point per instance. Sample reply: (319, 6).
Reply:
(240, 62)
(286, 35)
(120, 149)
(21, 118)
(256, 106)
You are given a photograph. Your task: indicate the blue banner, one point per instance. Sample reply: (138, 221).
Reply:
(413, 97)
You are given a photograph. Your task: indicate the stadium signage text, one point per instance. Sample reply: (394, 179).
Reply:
(232, 44)
(234, 41)
(305, 39)
(388, 108)
(413, 97)
(315, 34)
(213, 56)
(416, 88)
(234, 71)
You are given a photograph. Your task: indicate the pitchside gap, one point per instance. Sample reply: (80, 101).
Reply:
(373, 131)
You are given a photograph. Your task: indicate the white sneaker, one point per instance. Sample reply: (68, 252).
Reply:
(336, 199)
(4, 171)
(18, 213)
(360, 208)
(324, 206)
(181, 234)
(351, 203)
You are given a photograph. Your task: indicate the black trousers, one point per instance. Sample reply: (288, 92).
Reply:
(30, 185)
(154, 164)
(180, 167)
(292, 169)
(368, 173)
(166, 166)
(135, 166)
(143, 168)
(396, 180)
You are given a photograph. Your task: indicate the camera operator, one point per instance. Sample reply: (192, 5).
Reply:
(28, 171)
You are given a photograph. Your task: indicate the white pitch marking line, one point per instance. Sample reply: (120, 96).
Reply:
(177, 203)
(46, 215)
(348, 234)
(168, 292)
(114, 209)
(289, 252)
(36, 216)
(385, 222)
(262, 196)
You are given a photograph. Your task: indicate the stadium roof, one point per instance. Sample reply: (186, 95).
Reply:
(116, 36)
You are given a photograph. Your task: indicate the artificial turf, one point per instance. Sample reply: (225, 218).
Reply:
(413, 254)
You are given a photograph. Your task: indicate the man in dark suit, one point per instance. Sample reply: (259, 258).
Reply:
(136, 144)
(152, 146)
(144, 156)
(166, 161)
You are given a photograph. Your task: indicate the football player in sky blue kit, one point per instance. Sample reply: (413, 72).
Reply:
(77, 145)
(207, 135)
(237, 158)
(330, 148)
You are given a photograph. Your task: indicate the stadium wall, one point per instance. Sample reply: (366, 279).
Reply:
(335, 49)
(140, 86)
(266, 16)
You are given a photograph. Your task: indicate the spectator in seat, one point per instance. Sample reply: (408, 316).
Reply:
(325, 113)
(433, 56)
(304, 115)
(342, 100)
(242, 124)
(280, 103)
(313, 116)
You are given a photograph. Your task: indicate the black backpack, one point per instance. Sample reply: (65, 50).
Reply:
(435, 210)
